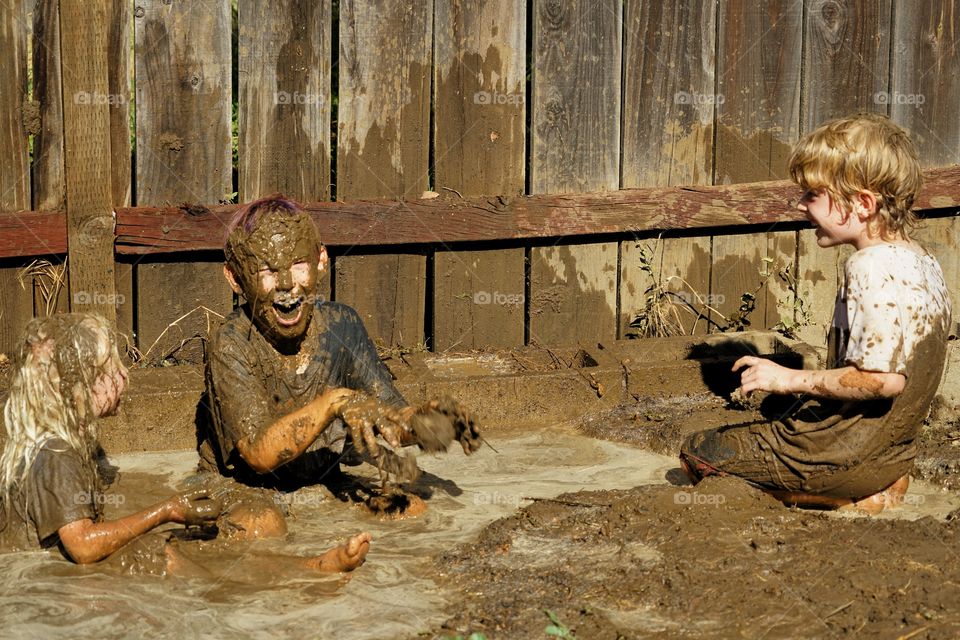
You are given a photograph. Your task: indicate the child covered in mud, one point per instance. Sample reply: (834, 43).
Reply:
(68, 375)
(846, 435)
(295, 383)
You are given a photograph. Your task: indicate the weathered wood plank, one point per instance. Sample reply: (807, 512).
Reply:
(49, 188)
(183, 91)
(119, 74)
(16, 304)
(668, 115)
(675, 273)
(846, 59)
(84, 36)
(668, 93)
(575, 146)
(758, 116)
(479, 84)
(941, 238)
(478, 299)
(925, 87)
(363, 223)
(382, 150)
(845, 71)
(389, 294)
(573, 294)
(284, 110)
(820, 275)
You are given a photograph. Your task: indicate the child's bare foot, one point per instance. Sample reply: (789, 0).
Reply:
(890, 497)
(346, 557)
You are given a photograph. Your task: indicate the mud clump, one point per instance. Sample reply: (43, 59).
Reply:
(441, 422)
(718, 560)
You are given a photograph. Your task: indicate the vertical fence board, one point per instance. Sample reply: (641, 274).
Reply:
(16, 304)
(575, 146)
(925, 86)
(49, 191)
(284, 110)
(679, 266)
(183, 152)
(118, 67)
(758, 119)
(393, 286)
(845, 71)
(668, 113)
(819, 275)
(479, 83)
(846, 59)
(940, 236)
(382, 151)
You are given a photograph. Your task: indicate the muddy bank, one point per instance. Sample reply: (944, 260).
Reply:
(717, 561)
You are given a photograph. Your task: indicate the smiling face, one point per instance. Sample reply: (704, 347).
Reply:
(834, 225)
(279, 268)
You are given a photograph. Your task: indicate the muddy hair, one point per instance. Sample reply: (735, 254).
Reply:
(51, 391)
(865, 152)
(246, 220)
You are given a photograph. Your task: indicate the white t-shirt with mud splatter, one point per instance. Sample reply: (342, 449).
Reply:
(891, 298)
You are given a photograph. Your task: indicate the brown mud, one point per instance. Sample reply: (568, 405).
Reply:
(720, 560)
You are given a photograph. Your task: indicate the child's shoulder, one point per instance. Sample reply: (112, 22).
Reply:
(890, 258)
(335, 312)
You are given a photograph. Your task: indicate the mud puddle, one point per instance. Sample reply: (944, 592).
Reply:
(395, 594)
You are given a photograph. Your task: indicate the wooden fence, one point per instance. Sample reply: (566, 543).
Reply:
(382, 99)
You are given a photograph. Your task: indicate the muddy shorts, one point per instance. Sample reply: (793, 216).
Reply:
(745, 451)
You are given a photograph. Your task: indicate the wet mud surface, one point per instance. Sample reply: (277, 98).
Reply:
(721, 560)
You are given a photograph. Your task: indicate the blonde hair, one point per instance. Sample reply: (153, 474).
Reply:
(59, 359)
(865, 152)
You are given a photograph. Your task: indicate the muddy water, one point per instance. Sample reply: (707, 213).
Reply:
(392, 595)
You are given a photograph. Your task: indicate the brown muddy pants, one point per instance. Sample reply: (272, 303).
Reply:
(745, 452)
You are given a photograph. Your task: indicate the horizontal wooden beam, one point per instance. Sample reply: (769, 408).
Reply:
(450, 219)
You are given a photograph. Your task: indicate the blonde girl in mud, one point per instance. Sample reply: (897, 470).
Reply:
(67, 375)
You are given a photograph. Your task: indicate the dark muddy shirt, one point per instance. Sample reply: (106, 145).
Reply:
(251, 386)
(892, 315)
(58, 489)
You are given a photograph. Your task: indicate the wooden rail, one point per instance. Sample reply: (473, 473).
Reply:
(449, 219)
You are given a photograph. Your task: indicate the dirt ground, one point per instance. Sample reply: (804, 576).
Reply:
(719, 560)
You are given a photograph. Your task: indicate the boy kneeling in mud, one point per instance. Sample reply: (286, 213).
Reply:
(847, 438)
(295, 382)
(67, 375)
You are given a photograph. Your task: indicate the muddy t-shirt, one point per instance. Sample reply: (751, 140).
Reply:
(58, 489)
(892, 315)
(251, 385)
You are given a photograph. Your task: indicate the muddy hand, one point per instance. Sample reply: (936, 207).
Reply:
(366, 417)
(194, 508)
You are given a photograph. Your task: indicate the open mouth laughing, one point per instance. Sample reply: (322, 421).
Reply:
(288, 310)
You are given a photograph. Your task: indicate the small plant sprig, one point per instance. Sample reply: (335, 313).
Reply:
(556, 628)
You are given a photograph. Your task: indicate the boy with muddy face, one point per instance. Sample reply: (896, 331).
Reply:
(845, 436)
(292, 379)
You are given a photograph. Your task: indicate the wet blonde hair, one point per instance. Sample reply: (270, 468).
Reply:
(865, 152)
(51, 390)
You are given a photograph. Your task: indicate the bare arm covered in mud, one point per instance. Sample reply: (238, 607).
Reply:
(289, 437)
(86, 541)
(845, 383)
